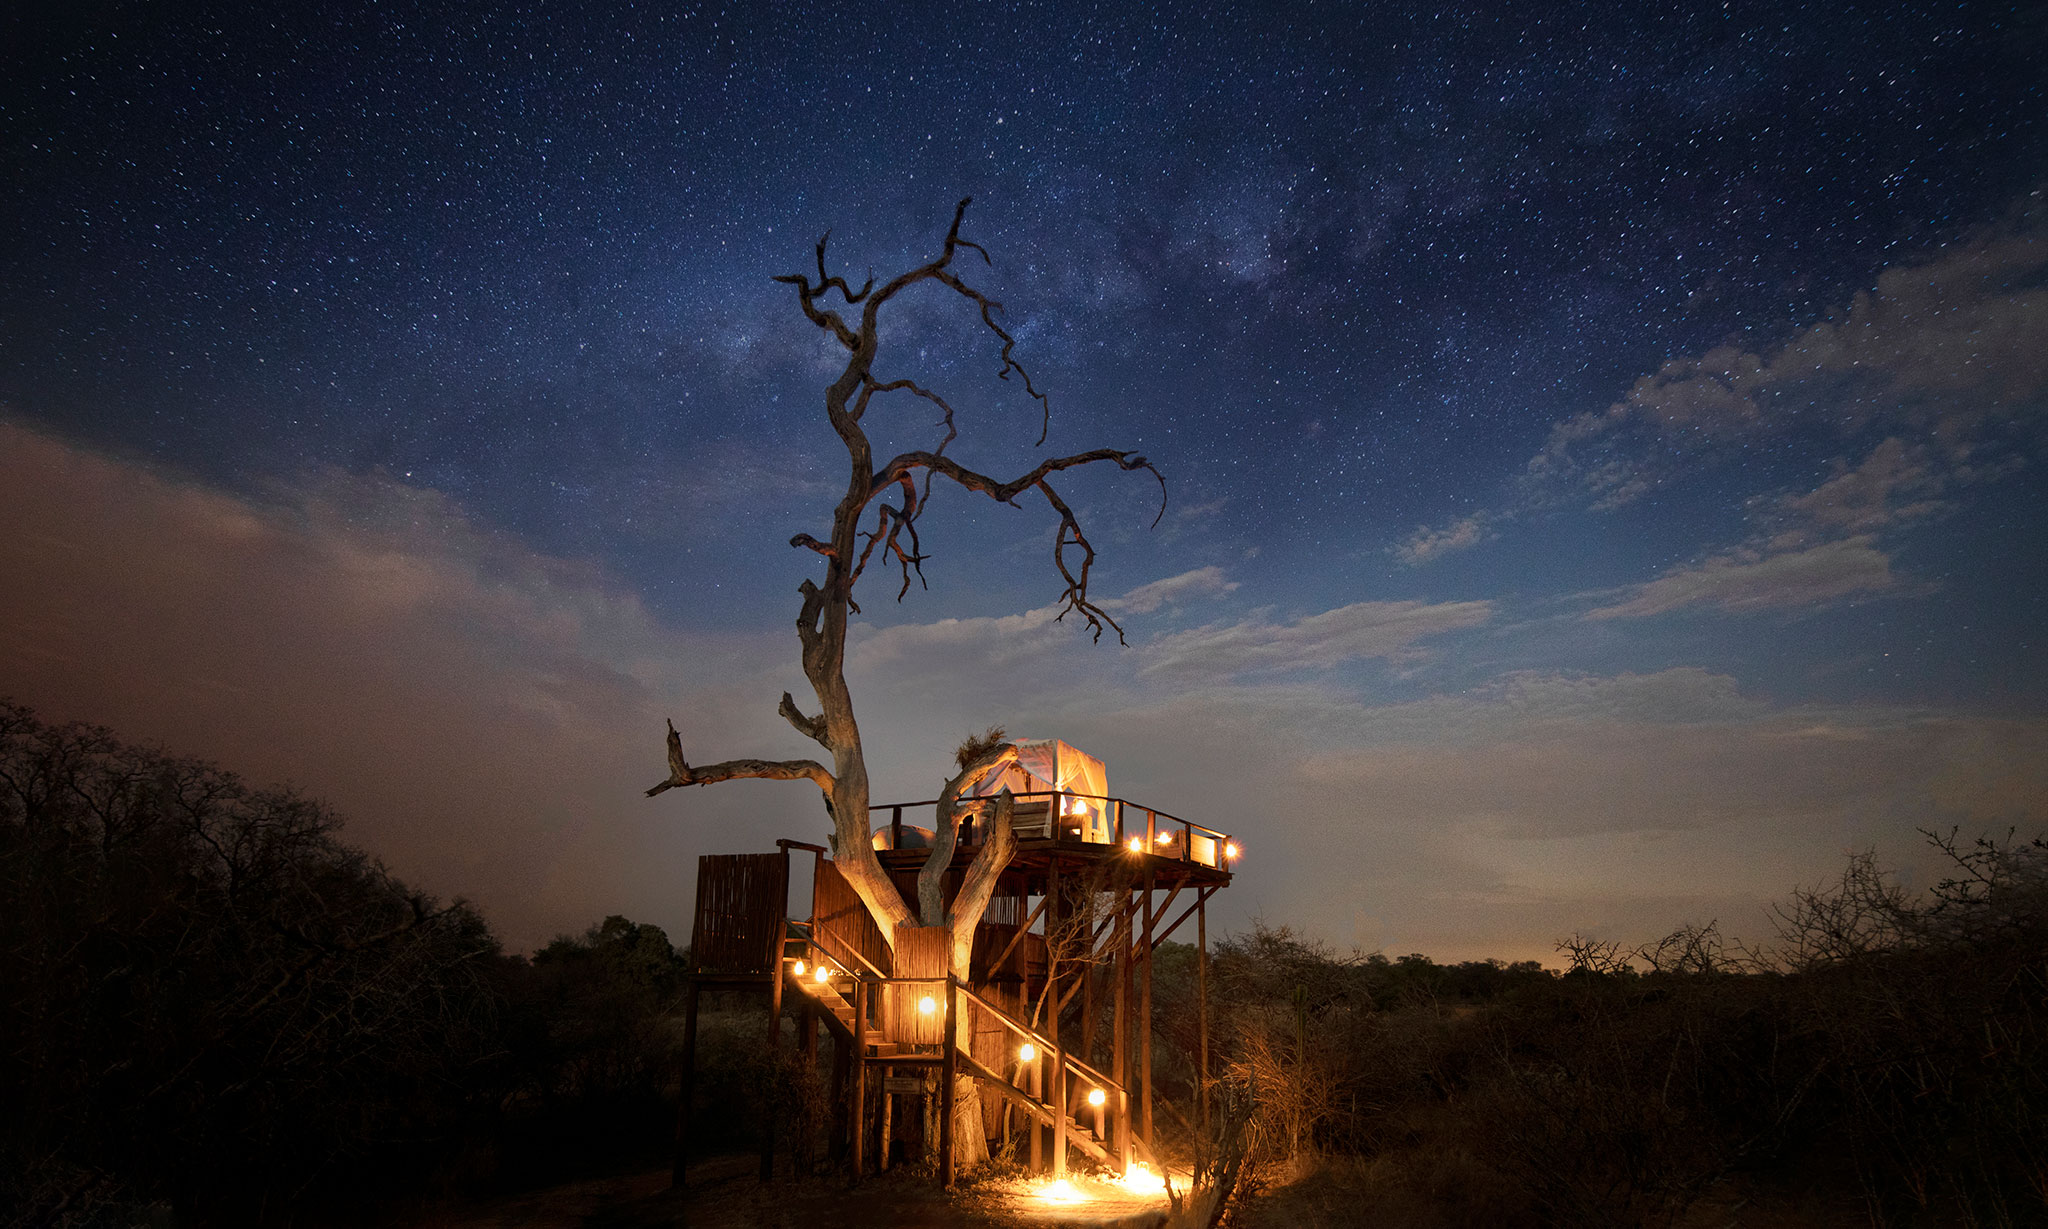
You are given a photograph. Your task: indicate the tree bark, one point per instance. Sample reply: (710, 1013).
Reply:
(827, 604)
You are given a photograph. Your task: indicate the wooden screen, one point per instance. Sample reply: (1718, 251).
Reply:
(921, 951)
(846, 923)
(740, 902)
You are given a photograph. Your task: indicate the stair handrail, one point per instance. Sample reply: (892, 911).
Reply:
(1034, 1036)
(823, 938)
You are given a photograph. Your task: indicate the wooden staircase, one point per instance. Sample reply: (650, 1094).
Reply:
(837, 1012)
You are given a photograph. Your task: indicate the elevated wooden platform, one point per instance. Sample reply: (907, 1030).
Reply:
(1023, 1024)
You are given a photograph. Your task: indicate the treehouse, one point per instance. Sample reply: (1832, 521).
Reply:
(1054, 1020)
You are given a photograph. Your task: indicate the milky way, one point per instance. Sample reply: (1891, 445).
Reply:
(1488, 355)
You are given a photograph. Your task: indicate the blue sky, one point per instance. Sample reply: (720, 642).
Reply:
(1603, 451)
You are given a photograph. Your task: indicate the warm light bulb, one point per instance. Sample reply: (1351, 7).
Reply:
(824, 975)
(798, 969)
(1230, 851)
(1026, 1052)
(927, 1005)
(1096, 1097)
(1166, 838)
(1137, 844)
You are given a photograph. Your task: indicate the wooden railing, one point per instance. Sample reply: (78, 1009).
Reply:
(1153, 830)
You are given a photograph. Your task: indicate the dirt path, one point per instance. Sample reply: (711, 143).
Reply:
(724, 1193)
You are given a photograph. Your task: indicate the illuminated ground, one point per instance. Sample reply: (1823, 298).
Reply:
(725, 1193)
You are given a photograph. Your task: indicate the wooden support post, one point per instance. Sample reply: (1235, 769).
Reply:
(1120, 1057)
(1123, 1131)
(1202, 1008)
(949, 1068)
(1037, 1094)
(857, 1118)
(1052, 1032)
(774, 1054)
(689, 1085)
(887, 1122)
(1145, 1022)
(802, 1155)
(842, 1086)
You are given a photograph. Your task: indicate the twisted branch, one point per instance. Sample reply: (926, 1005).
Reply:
(681, 772)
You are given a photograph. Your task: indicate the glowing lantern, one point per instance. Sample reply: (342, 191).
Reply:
(798, 968)
(927, 1005)
(1026, 1052)
(824, 974)
(1230, 851)
(1166, 838)
(1137, 844)
(1096, 1097)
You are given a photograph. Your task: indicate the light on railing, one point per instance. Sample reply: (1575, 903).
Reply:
(797, 968)
(1230, 851)
(1096, 1097)
(927, 1005)
(1137, 844)
(1026, 1052)
(824, 975)
(1166, 838)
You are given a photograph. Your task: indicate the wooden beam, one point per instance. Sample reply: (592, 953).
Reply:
(947, 1071)
(1052, 1032)
(1202, 1007)
(1145, 1022)
(1041, 1113)
(858, 1119)
(1166, 904)
(682, 1161)
(1200, 896)
(1017, 938)
(1120, 1058)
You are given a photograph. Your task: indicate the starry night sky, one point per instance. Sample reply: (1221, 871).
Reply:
(1605, 448)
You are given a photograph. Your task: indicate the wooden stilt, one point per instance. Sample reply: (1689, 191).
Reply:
(802, 1154)
(887, 1123)
(857, 1123)
(842, 1086)
(1052, 1031)
(774, 1055)
(689, 1085)
(1145, 1022)
(1202, 1008)
(1120, 1056)
(1088, 979)
(949, 1068)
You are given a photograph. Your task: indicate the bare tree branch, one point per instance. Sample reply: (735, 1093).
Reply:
(931, 877)
(812, 728)
(680, 772)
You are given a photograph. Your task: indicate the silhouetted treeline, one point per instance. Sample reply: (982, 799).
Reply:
(212, 1010)
(1884, 1062)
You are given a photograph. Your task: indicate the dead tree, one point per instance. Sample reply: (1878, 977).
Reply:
(865, 525)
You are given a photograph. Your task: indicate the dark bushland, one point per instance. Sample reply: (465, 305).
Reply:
(213, 1011)
(1884, 1063)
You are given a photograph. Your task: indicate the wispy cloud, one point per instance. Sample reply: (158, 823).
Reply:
(484, 715)
(1741, 583)
(1174, 590)
(1948, 348)
(1318, 641)
(1935, 378)
(1426, 544)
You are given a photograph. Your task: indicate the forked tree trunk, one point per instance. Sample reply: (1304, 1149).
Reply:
(822, 620)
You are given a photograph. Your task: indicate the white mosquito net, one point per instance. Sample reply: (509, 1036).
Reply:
(1049, 766)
